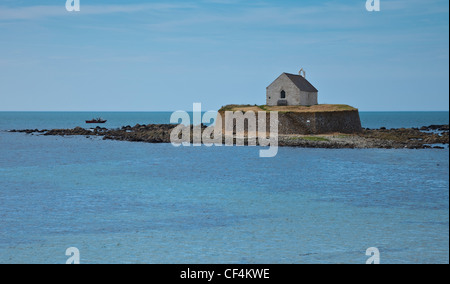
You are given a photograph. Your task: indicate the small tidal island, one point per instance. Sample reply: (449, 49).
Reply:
(427, 137)
(302, 122)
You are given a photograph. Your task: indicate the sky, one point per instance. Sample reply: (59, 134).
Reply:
(130, 55)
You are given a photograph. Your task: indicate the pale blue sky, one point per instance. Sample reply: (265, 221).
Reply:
(129, 55)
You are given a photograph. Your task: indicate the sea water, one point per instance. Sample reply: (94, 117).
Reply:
(124, 202)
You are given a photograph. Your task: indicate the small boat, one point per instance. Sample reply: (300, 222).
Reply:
(96, 120)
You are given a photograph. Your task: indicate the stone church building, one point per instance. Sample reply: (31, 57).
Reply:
(292, 90)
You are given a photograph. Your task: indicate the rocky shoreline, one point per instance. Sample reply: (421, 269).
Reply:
(427, 137)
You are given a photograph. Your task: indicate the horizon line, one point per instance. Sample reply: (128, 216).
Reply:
(129, 111)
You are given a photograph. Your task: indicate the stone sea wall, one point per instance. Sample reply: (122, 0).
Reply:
(305, 123)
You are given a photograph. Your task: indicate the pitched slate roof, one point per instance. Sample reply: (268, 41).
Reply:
(303, 84)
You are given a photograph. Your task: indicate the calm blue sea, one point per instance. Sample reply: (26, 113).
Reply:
(123, 202)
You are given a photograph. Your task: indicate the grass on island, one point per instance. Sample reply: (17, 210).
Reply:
(342, 136)
(315, 108)
(312, 138)
(240, 108)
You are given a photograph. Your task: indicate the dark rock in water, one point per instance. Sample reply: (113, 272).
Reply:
(435, 128)
(27, 131)
(69, 132)
(409, 138)
(439, 147)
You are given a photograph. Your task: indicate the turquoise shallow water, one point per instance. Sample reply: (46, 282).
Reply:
(121, 202)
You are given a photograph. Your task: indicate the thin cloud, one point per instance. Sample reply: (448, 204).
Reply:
(325, 15)
(39, 12)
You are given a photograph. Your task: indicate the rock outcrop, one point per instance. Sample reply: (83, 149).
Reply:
(434, 136)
